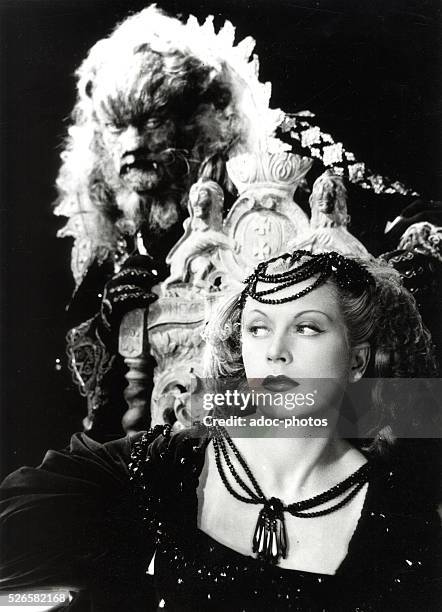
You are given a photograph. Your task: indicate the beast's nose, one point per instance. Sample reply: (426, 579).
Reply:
(131, 139)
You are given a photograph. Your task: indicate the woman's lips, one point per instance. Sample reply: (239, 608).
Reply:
(279, 383)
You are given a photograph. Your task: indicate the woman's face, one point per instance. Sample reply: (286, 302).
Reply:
(299, 347)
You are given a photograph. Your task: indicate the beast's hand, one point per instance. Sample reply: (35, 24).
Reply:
(128, 289)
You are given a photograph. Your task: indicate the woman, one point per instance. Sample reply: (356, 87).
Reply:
(274, 522)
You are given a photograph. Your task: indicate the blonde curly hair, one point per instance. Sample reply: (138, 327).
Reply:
(384, 314)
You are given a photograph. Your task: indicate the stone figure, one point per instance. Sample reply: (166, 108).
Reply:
(329, 219)
(192, 258)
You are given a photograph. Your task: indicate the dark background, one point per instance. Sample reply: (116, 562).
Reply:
(370, 70)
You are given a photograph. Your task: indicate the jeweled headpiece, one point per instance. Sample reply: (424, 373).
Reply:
(299, 266)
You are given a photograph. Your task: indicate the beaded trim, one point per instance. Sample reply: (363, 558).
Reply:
(347, 273)
(147, 497)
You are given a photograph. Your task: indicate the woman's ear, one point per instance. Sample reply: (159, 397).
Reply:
(360, 356)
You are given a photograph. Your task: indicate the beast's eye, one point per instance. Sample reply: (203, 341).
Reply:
(153, 123)
(114, 128)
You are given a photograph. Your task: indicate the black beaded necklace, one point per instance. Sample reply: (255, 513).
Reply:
(270, 537)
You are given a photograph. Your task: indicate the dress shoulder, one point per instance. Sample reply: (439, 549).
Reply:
(73, 519)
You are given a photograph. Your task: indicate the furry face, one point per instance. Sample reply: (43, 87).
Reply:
(156, 109)
(140, 152)
(147, 114)
(137, 125)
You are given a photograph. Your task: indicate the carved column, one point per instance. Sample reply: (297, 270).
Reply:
(133, 346)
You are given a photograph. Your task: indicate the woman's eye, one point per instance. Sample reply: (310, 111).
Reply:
(308, 329)
(258, 331)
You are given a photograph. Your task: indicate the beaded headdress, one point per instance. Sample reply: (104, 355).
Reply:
(299, 266)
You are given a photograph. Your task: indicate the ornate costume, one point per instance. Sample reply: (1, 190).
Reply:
(90, 518)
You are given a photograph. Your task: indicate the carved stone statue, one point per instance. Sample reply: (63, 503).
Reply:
(192, 258)
(329, 219)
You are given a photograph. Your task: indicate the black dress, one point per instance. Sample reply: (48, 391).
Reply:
(90, 518)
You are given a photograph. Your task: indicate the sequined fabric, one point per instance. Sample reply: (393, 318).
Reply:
(389, 566)
(91, 516)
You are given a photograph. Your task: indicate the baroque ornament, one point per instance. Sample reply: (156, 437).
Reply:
(265, 217)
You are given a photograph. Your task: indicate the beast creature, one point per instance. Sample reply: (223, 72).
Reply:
(160, 104)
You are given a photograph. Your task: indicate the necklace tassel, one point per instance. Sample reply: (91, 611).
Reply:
(270, 538)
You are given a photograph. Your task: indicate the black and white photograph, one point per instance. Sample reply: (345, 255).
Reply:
(221, 287)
